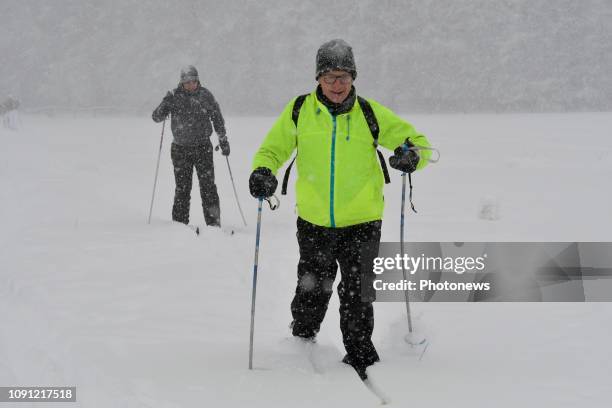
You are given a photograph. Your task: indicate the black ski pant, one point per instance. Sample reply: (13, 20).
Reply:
(184, 159)
(321, 251)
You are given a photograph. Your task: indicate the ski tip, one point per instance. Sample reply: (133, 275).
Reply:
(423, 352)
(383, 399)
(194, 228)
(228, 231)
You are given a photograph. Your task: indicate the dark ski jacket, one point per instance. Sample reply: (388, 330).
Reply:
(192, 115)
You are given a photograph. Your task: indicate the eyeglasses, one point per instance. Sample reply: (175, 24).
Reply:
(330, 79)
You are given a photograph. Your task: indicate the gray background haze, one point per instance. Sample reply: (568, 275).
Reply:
(414, 56)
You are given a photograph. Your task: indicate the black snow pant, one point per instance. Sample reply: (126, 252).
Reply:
(321, 250)
(184, 159)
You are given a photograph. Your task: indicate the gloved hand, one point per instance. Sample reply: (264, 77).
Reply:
(164, 108)
(224, 145)
(404, 159)
(262, 183)
(167, 102)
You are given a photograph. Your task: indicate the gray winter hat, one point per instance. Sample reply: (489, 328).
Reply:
(336, 54)
(189, 73)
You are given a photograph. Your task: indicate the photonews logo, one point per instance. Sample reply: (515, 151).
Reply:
(411, 264)
(490, 272)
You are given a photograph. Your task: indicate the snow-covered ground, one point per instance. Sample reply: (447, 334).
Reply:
(139, 315)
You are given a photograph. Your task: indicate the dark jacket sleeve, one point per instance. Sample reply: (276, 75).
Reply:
(216, 117)
(164, 108)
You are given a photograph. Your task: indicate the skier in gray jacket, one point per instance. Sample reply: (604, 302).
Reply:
(194, 112)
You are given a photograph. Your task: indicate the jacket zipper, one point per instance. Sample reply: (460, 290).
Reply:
(332, 176)
(348, 127)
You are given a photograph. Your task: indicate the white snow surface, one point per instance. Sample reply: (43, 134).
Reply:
(138, 315)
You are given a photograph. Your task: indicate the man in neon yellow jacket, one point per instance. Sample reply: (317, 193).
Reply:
(339, 193)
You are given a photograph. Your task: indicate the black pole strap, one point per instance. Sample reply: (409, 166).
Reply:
(410, 193)
(273, 202)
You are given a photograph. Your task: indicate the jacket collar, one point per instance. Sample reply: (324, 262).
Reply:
(181, 90)
(337, 108)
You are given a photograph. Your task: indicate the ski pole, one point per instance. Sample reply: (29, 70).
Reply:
(254, 292)
(235, 193)
(161, 141)
(402, 252)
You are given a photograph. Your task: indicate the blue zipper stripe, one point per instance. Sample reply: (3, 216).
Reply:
(332, 218)
(348, 128)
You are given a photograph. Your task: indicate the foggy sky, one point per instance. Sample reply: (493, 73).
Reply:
(414, 56)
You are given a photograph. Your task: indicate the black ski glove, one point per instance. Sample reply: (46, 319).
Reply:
(224, 145)
(168, 99)
(164, 108)
(262, 183)
(404, 159)
(167, 103)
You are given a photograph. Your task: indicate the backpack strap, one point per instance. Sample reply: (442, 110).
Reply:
(370, 117)
(295, 114)
(297, 105)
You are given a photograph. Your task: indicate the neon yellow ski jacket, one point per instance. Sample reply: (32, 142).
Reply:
(340, 181)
